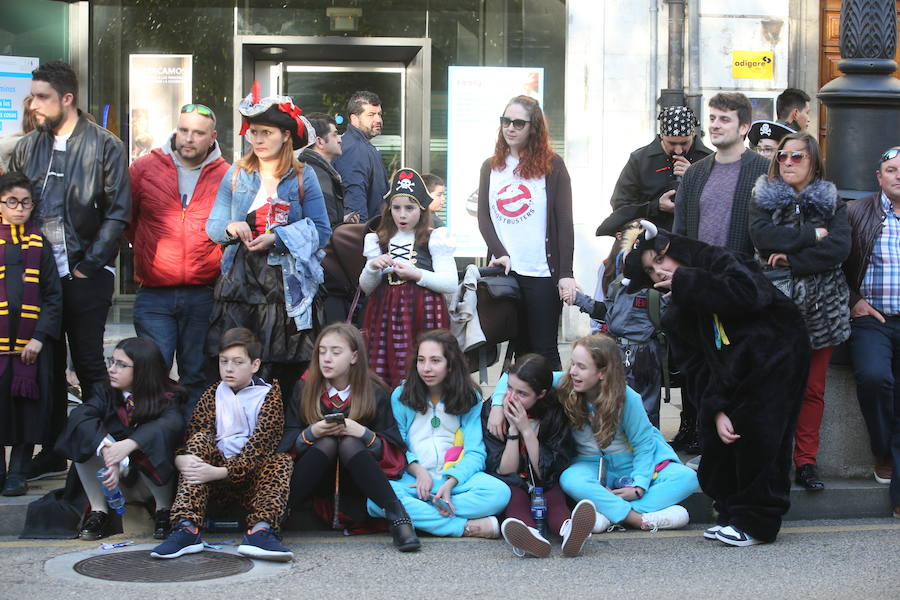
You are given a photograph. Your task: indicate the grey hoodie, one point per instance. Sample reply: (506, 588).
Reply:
(188, 176)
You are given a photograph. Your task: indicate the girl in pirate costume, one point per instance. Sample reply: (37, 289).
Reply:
(409, 267)
(30, 314)
(131, 429)
(270, 214)
(340, 428)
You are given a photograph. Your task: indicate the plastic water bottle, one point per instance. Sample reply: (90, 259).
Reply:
(539, 510)
(622, 481)
(114, 498)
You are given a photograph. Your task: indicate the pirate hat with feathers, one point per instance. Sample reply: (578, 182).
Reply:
(277, 111)
(407, 183)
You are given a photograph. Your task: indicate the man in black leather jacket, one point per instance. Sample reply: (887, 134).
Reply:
(80, 176)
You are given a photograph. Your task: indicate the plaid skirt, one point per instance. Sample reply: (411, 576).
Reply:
(395, 315)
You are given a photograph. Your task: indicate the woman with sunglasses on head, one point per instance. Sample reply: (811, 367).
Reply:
(799, 225)
(270, 215)
(525, 194)
(128, 431)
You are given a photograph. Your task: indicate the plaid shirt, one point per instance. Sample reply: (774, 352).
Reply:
(881, 282)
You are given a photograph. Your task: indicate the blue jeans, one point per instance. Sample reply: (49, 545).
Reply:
(177, 319)
(875, 351)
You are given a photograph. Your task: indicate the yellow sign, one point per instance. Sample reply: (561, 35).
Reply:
(752, 65)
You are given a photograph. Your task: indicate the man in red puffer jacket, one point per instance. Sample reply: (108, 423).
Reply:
(175, 263)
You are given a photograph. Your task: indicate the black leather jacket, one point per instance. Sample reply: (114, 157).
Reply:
(98, 195)
(866, 218)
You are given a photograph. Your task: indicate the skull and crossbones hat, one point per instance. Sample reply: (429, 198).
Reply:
(277, 111)
(762, 130)
(406, 182)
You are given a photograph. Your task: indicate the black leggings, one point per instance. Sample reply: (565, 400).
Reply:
(539, 318)
(316, 467)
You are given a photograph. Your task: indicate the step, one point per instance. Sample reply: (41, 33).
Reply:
(841, 499)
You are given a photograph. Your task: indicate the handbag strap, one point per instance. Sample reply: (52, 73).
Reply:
(353, 304)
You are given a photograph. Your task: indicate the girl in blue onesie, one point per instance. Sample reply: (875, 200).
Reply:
(438, 412)
(609, 422)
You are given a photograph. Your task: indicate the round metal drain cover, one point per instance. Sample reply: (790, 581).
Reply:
(139, 566)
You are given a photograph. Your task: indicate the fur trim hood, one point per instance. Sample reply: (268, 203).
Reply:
(818, 197)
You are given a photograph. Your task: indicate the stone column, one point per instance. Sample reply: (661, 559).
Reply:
(863, 121)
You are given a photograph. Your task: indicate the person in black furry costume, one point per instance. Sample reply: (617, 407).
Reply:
(744, 347)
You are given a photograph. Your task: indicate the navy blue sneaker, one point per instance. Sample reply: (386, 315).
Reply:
(265, 544)
(184, 539)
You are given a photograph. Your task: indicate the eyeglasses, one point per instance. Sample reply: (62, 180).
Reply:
(889, 154)
(14, 202)
(783, 156)
(516, 123)
(118, 364)
(201, 109)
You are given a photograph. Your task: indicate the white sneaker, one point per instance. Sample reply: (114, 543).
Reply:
(674, 517)
(485, 527)
(735, 537)
(711, 532)
(525, 540)
(601, 524)
(578, 529)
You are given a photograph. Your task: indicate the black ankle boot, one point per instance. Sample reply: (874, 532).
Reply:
(401, 527)
(686, 433)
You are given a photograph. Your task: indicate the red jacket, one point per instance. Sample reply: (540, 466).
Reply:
(170, 242)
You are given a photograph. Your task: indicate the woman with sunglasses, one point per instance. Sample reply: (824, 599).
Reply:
(524, 194)
(128, 431)
(799, 226)
(270, 216)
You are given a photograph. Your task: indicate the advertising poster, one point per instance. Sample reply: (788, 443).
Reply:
(15, 84)
(158, 86)
(476, 99)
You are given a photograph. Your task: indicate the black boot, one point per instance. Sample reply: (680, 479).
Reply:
(686, 433)
(401, 527)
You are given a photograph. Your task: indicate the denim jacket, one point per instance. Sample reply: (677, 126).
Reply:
(232, 205)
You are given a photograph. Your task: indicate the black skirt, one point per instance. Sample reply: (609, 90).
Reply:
(251, 295)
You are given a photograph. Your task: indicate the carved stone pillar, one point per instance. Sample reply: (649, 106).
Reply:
(863, 104)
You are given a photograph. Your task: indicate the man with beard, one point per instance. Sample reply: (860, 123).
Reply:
(360, 165)
(79, 172)
(173, 189)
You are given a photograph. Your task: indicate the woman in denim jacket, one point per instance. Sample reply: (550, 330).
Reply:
(270, 214)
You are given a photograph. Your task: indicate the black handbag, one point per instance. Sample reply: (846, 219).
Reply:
(498, 285)
(782, 278)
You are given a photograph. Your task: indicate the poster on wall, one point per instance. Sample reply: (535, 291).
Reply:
(158, 86)
(476, 97)
(15, 84)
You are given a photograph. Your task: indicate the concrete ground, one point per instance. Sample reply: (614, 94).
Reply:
(822, 559)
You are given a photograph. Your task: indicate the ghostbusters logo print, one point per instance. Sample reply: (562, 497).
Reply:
(405, 182)
(513, 203)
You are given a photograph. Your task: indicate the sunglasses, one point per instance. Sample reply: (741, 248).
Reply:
(201, 109)
(516, 123)
(783, 156)
(889, 154)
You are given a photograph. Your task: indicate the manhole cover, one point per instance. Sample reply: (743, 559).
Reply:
(139, 566)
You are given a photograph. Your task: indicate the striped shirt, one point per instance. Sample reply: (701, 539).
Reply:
(881, 283)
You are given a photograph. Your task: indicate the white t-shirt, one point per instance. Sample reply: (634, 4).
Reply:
(519, 213)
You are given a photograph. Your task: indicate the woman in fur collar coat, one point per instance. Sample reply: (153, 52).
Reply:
(799, 227)
(730, 330)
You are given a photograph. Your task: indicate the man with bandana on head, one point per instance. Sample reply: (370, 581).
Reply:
(651, 176)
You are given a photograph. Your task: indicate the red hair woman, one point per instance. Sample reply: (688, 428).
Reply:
(525, 194)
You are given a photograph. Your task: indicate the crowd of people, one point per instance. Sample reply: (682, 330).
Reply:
(730, 264)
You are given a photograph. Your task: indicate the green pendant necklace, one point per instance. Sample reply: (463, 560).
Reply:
(435, 420)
